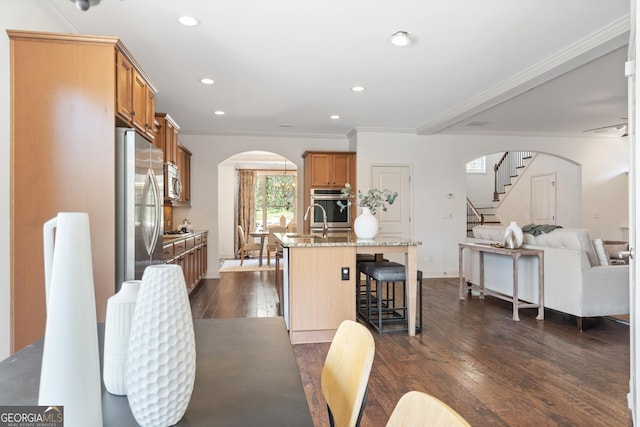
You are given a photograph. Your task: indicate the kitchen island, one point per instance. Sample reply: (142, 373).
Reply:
(319, 281)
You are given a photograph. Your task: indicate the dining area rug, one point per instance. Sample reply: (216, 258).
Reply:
(249, 264)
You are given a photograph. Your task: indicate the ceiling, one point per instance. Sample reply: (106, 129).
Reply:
(283, 67)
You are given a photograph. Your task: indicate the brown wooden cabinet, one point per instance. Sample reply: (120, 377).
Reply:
(135, 95)
(191, 254)
(329, 170)
(167, 137)
(85, 90)
(184, 171)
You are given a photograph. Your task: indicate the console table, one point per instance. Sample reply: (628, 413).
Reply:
(515, 254)
(246, 375)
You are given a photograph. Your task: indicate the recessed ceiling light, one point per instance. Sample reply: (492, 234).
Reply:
(206, 81)
(400, 38)
(188, 21)
(357, 88)
(219, 113)
(335, 117)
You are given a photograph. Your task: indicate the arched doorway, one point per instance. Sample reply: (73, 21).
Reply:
(275, 194)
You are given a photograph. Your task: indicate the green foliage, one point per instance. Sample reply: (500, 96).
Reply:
(373, 199)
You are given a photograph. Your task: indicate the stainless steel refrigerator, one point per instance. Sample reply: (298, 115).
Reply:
(139, 205)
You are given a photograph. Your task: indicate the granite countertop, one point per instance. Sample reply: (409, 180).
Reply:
(291, 240)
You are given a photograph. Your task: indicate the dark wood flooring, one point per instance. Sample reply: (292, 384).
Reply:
(492, 370)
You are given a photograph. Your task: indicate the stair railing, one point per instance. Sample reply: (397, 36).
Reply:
(473, 218)
(505, 169)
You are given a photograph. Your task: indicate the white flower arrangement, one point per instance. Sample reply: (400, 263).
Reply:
(373, 199)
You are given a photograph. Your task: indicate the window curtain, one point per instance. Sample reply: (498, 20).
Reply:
(246, 202)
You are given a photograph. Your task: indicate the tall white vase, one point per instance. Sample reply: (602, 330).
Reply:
(366, 224)
(161, 364)
(70, 375)
(117, 328)
(517, 233)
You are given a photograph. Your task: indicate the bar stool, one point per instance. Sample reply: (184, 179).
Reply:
(385, 307)
(363, 295)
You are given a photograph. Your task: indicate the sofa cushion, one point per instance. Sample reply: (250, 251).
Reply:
(568, 238)
(601, 253)
(489, 232)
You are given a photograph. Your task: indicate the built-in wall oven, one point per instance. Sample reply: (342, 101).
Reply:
(337, 219)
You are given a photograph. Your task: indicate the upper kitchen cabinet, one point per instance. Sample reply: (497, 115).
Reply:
(328, 169)
(135, 94)
(167, 137)
(184, 172)
(63, 157)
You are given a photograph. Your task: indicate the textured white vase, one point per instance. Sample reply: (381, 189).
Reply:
(70, 374)
(366, 224)
(161, 363)
(517, 232)
(117, 328)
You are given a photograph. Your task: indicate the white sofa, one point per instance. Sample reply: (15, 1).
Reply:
(574, 281)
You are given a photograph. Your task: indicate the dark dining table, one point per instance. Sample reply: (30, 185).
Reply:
(246, 375)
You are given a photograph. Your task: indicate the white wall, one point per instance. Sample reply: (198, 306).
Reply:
(439, 168)
(15, 15)
(480, 185)
(516, 205)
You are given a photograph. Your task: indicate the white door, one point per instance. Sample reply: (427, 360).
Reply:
(543, 198)
(396, 221)
(634, 195)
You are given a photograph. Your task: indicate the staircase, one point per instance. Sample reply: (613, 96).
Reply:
(506, 174)
(507, 170)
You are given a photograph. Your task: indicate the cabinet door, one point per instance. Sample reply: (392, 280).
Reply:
(171, 145)
(320, 170)
(150, 113)
(184, 170)
(124, 87)
(342, 164)
(140, 100)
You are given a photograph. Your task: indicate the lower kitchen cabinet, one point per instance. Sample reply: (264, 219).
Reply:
(189, 252)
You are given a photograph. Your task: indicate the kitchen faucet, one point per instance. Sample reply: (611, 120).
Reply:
(325, 226)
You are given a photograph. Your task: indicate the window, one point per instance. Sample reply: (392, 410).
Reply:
(477, 166)
(275, 197)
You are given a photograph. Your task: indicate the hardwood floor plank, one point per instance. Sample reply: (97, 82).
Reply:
(470, 354)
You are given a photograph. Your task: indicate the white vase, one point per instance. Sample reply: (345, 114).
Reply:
(517, 232)
(70, 374)
(161, 363)
(117, 328)
(366, 224)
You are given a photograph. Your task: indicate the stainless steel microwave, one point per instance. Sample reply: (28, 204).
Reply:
(173, 184)
(328, 198)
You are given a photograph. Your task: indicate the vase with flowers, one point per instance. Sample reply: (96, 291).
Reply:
(366, 224)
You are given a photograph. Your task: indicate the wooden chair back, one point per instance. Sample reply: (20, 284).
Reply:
(417, 409)
(345, 374)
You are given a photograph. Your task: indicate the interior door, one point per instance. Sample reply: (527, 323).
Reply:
(396, 221)
(631, 68)
(543, 198)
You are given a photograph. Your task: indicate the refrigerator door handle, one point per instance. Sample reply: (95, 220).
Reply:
(151, 194)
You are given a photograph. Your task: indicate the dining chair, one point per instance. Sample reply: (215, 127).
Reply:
(292, 227)
(418, 409)
(244, 246)
(345, 374)
(272, 243)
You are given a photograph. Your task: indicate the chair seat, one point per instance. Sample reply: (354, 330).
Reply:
(388, 271)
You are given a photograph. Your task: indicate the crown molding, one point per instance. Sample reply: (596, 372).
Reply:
(603, 41)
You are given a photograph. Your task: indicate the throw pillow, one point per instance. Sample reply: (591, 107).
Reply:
(603, 257)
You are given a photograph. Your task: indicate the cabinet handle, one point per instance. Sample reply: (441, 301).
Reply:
(133, 113)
